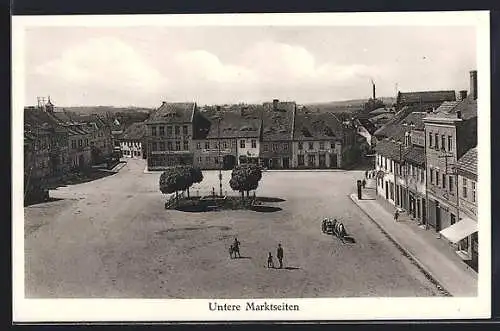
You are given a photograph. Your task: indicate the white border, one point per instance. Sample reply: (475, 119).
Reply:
(69, 310)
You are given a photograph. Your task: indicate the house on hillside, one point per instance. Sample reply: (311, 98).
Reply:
(169, 135)
(320, 141)
(277, 132)
(132, 142)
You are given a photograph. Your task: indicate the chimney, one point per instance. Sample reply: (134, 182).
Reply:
(473, 84)
(373, 85)
(275, 104)
(463, 94)
(163, 103)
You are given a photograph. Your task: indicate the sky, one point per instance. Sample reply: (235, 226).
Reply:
(143, 66)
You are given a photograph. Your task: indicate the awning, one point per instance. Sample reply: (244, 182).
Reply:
(460, 230)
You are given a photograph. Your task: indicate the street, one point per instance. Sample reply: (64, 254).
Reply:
(113, 238)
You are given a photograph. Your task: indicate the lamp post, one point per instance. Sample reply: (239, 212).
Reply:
(219, 119)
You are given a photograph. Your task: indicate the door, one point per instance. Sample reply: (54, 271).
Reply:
(386, 190)
(322, 161)
(286, 163)
(333, 160)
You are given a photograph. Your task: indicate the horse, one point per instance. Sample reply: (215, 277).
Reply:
(233, 250)
(339, 230)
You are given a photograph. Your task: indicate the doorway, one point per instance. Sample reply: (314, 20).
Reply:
(286, 162)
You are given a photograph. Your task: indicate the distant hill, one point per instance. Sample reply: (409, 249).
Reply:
(104, 109)
(345, 105)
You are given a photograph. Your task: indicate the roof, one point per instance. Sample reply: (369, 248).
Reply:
(233, 124)
(381, 118)
(173, 112)
(316, 126)
(379, 111)
(367, 124)
(449, 110)
(467, 164)
(405, 98)
(136, 131)
(278, 124)
(415, 155)
(395, 127)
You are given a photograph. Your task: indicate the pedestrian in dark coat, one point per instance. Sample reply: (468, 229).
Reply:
(366, 174)
(396, 215)
(363, 183)
(279, 254)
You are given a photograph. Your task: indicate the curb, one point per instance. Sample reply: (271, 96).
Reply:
(427, 273)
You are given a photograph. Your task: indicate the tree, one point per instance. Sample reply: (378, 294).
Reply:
(179, 178)
(245, 178)
(196, 176)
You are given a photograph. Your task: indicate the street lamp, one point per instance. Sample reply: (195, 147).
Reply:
(219, 119)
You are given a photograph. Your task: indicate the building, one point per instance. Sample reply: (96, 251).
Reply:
(387, 154)
(319, 141)
(424, 99)
(464, 233)
(450, 132)
(132, 141)
(169, 135)
(79, 152)
(216, 135)
(277, 133)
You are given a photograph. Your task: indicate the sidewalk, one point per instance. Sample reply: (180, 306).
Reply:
(434, 256)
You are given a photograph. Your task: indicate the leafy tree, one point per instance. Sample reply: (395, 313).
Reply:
(179, 178)
(196, 176)
(245, 178)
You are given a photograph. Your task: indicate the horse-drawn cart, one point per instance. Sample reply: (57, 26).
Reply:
(333, 227)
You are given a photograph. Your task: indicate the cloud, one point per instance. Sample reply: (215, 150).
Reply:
(102, 62)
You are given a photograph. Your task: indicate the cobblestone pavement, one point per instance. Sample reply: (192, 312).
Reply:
(113, 238)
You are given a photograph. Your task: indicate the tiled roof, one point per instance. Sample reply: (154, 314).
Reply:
(278, 125)
(405, 98)
(389, 149)
(448, 110)
(173, 112)
(136, 131)
(367, 124)
(414, 155)
(317, 126)
(379, 111)
(233, 124)
(395, 128)
(467, 164)
(381, 118)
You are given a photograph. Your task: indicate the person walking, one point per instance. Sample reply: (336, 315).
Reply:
(279, 254)
(236, 245)
(366, 174)
(363, 183)
(396, 215)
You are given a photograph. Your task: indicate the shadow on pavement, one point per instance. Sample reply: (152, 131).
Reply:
(51, 199)
(269, 199)
(349, 239)
(291, 268)
(266, 209)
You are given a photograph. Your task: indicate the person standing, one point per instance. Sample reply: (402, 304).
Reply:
(364, 183)
(279, 254)
(236, 245)
(366, 174)
(396, 215)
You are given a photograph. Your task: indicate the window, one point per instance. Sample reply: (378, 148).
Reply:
(450, 141)
(198, 145)
(430, 139)
(169, 131)
(450, 183)
(275, 147)
(242, 143)
(207, 145)
(311, 160)
(464, 188)
(431, 175)
(266, 147)
(225, 144)
(422, 175)
(169, 146)
(80, 143)
(184, 129)
(254, 143)
(300, 160)
(185, 145)
(321, 145)
(473, 191)
(300, 145)
(233, 143)
(153, 130)
(86, 141)
(390, 165)
(444, 181)
(311, 145)
(453, 219)
(162, 130)
(177, 145)
(207, 159)
(216, 160)
(436, 141)
(332, 145)
(155, 147)
(443, 143)
(162, 146)
(199, 159)
(73, 143)
(285, 146)
(437, 178)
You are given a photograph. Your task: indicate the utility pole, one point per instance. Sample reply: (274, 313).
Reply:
(218, 154)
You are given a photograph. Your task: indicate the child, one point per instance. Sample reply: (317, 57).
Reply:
(270, 262)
